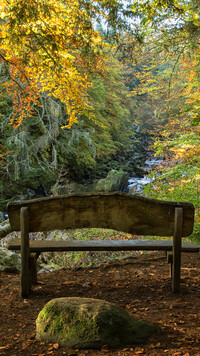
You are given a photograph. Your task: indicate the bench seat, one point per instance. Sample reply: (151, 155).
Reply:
(102, 245)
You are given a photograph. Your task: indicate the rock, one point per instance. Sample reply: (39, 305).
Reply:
(9, 261)
(89, 323)
(12, 269)
(116, 181)
(5, 229)
(71, 188)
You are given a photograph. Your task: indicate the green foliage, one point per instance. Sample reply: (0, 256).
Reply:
(39, 153)
(83, 258)
(180, 182)
(167, 73)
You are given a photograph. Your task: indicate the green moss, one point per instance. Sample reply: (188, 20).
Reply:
(51, 318)
(67, 323)
(9, 259)
(85, 329)
(115, 181)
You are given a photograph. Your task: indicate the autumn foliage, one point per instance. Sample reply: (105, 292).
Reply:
(139, 69)
(48, 47)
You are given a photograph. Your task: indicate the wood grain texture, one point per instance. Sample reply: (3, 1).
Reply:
(176, 267)
(25, 251)
(105, 245)
(123, 212)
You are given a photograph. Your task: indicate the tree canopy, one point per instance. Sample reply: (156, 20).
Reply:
(51, 46)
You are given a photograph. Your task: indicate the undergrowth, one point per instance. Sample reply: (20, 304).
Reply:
(74, 259)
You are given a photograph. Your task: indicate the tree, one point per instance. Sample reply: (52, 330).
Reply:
(49, 47)
(167, 71)
(191, 67)
(38, 152)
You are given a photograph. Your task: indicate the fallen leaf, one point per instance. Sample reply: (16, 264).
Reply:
(56, 346)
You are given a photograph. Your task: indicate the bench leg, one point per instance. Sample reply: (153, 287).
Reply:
(25, 252)
(176, 267)
(33, 267)
(170, 260)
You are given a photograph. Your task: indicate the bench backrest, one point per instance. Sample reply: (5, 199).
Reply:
(119, 211)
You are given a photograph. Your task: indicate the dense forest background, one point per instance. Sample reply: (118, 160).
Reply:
(89, 87)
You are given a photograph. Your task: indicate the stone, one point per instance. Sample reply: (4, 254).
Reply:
(5, 229)
(89, 323)
(9, 261)
(116, 181)
(1, 216)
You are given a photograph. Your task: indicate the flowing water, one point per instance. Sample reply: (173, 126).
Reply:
(136, 185)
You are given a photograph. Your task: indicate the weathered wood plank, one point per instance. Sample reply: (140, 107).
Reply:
(105, 245)
(176, 267)
(123, 212)
(25, 251)
(33, 267)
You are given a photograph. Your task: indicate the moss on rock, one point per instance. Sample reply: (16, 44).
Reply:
(89, 323)
(9, 259)
(115, 181)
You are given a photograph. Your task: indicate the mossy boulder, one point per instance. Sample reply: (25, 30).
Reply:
(116, 181)
(89, 323)
(9, 261)
(1, 216)
(72, 187)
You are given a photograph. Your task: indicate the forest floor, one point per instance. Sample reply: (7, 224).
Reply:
(139, 284)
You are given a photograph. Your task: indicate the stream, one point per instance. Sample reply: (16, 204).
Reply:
(136, 185)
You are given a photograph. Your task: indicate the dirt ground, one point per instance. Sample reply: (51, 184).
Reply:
(140, 285)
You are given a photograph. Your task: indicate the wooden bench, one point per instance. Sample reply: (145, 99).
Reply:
(123, 212)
